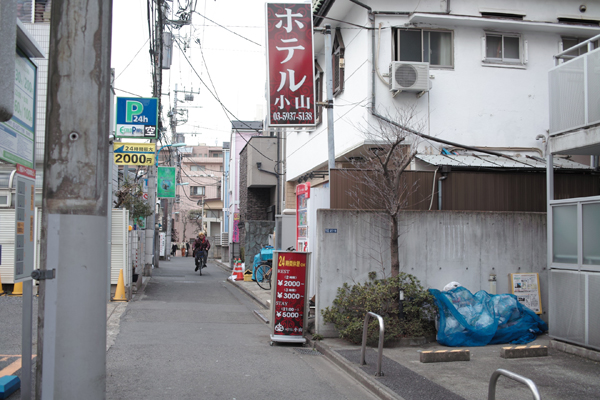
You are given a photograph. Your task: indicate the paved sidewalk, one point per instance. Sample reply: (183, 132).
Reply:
(558, 376)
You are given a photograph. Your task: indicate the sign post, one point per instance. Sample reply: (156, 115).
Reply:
(289, 310)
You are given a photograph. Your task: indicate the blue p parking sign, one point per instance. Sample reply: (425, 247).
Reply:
(136, 117)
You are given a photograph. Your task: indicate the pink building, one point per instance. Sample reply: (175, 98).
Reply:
(198, 205)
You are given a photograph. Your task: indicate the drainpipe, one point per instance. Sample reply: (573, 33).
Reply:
(440, 192)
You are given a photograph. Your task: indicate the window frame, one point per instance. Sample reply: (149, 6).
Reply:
(396, 45)
(523, 51)
(339, 64)
(199, 168)
(194, 190)
(319, 81)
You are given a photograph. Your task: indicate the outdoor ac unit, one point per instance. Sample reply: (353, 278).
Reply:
(409, 76)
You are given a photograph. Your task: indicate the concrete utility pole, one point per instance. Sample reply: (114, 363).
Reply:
(71, 362)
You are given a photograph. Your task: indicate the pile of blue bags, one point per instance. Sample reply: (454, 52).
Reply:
(467, 319)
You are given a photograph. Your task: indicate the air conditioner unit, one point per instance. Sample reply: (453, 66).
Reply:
(408, 76)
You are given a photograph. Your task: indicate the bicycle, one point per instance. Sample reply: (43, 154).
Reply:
(200, 260)
(264, 272)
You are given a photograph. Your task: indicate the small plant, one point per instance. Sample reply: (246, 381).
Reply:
(131, 197)
(316, 336)
(382, 297)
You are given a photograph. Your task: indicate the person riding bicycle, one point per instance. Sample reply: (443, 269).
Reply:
(201, 247)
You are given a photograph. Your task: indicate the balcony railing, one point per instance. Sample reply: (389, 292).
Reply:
(574, 85)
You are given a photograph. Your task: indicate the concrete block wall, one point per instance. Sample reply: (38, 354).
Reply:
(436, 246)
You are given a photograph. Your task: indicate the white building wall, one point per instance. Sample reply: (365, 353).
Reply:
(472, 104)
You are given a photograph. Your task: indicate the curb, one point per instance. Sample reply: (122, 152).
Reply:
(575, 350)
(363, 378)
(249, 293)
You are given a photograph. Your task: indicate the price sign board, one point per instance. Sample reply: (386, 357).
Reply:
(134, 153)
(136, 117)
(290, 310)
(24, 221)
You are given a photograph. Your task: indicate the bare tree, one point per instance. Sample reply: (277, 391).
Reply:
(378, 172)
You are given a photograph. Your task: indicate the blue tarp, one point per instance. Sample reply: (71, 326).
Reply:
(467, 319)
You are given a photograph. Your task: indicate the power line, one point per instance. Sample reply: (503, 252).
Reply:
(229, 30)
(136, 54)
(225, 109)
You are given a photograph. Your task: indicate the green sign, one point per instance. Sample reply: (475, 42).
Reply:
(166, 182)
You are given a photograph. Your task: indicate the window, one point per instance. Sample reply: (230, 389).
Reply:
(503, 48)
(198, 168)
(568, 42)
(217, 155)
(197, 190)
(338, 62)
(420, 45)
(319, 76)
(216, 214)
(220, 168)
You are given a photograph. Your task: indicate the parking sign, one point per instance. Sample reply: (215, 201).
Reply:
(136, 117)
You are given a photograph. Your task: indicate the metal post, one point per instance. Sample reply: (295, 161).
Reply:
(71, 362)
(364, 341)
(26, 337)
(329, 78)
(150, 221)
(515, 377)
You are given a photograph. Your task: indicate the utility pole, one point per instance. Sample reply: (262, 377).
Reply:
(71, 352)
(329, 78)
(157, 55)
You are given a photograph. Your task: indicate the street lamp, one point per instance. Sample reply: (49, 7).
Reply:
(168, 145)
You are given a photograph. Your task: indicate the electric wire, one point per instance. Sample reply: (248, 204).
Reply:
(229, 30)
(225, 109)
(136, 54)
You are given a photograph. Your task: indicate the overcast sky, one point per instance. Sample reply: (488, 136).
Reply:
(235, 61)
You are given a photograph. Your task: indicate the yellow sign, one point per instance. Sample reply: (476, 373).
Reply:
(134, 153)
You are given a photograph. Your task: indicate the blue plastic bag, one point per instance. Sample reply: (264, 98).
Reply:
(467, 319)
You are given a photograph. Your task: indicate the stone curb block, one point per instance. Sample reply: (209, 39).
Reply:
(445, 356)
(355, 372)
(575, 350)
(249, 293)
(524, 351)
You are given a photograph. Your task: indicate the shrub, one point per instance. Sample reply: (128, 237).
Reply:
(381, 296)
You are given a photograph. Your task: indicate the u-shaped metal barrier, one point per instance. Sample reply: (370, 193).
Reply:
(515, 377)
(364, 341)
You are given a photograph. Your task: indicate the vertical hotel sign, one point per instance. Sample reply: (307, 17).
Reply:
(290, 64)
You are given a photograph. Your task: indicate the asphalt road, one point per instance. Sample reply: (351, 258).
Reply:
(196, 337)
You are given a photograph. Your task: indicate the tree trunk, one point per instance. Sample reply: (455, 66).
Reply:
(394, 245)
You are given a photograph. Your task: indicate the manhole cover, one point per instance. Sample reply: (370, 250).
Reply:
(308, 352)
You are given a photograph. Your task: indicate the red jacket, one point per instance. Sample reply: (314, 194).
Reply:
(202, 245)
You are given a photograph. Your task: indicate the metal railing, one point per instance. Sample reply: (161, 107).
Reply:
(515, 377)
(364, 341)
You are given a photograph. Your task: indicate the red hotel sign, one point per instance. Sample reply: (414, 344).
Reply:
(289, 294)
(290, 64)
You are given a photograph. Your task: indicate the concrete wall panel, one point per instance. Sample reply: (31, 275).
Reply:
(437, 247)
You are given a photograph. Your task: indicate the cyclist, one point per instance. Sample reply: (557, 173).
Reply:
(201, 247)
